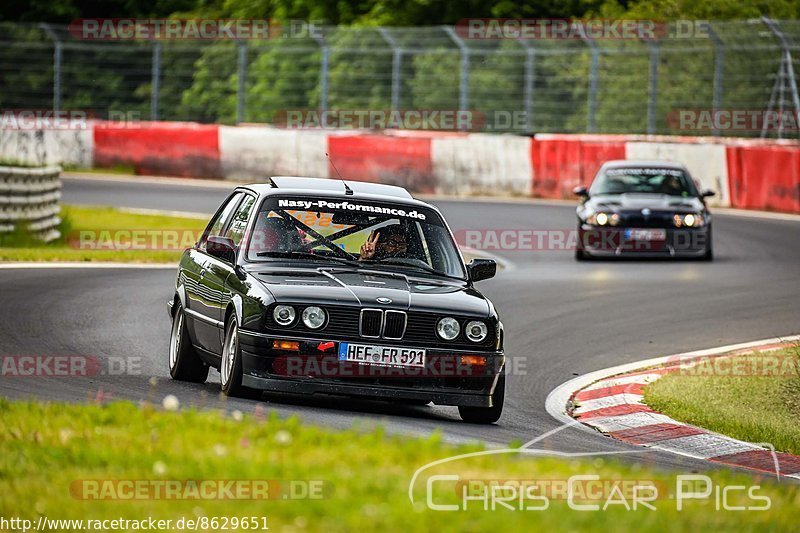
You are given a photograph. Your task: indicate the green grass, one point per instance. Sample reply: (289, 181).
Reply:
(750, 408)
(45, 448)
(102, 223)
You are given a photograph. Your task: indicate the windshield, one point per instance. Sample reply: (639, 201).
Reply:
(673, 182)
(410, 239)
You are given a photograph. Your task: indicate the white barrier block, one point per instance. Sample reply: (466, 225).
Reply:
(257, 153)
(482, 163)
(707, 163)
(74, 147)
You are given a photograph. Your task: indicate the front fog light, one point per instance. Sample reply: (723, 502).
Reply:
(476, 331)
(448, 328)
(284, 315)
(314, 317)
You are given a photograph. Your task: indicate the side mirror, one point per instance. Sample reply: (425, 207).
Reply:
(480, 269)
(708, 193)
(221, 248)
(581, 191)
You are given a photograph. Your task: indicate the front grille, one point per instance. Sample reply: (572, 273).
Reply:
(636, 219)
(371, 322)
(395, 325)
(348, 323)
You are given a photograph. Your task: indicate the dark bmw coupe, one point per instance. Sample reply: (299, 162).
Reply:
(310, 286)
(643, 209)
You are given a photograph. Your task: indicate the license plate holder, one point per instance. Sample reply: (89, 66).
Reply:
(398, 356)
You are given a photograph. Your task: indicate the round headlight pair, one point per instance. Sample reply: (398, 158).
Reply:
(313, 317)
(448, 329)
(688, 220)
(603, 219)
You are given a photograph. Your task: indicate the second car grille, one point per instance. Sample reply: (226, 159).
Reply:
(394, 326)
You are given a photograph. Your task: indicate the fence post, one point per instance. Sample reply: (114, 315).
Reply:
(397, 61)
(785, 73)
(652, 87)
(155, 85)
(241, 88)
(463, 85)
(719, 64)
(591, 104)
(530, 83)
(57, 61)
(323, 73)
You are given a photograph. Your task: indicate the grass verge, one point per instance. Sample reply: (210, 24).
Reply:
(754, 398)
(46, 450)
(112, 231)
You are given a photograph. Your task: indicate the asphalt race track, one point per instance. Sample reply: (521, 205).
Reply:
(562, 318)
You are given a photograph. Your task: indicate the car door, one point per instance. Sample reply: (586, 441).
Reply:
(204, 281)
(218, 271)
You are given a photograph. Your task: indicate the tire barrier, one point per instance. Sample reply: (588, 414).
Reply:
(29, 200)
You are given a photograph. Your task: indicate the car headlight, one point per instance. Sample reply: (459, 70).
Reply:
(284, 315)
(314, 317)
(476, 331)
(603, 219)
(688, 220)
(448, 328)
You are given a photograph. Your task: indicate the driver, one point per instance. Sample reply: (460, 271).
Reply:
(388, 241)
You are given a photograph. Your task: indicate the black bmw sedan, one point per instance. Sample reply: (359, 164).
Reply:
(337, 287)
(643, 209)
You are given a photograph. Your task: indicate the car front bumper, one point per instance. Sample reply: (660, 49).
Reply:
(618, 242)
(316, 369)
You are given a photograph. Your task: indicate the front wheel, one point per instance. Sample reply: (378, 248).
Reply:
(230, 368)
(184, 363)
(487, 415)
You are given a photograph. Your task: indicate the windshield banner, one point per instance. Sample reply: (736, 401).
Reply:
(310, 205)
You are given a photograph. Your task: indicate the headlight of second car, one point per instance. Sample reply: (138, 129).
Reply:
(314, 317)
(603, 219)
(284, 315)
(477, 331)
(448, 328)
(688, 220)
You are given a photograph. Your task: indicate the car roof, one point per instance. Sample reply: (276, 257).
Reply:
(643, 163)
(331, 187)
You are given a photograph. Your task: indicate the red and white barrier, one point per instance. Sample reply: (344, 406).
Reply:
(748, 174)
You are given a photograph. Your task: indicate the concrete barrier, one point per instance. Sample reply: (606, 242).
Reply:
(707, 163)
(256, 153)
(48, 147)
(482, 164)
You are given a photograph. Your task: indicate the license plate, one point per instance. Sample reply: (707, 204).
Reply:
(381, 355)
(646, 234)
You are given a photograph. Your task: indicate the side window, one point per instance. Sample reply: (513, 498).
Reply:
(218, 224)
(238, 224)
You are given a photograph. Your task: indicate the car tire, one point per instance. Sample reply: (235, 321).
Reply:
(184, 363)
(230, 368)
(580, 255)
(487, 415)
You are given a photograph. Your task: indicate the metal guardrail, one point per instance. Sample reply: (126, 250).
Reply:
(551, 85)
(30, 200)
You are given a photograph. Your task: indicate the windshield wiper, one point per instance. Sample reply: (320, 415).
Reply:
(308, 255)
(424, 268)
